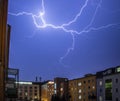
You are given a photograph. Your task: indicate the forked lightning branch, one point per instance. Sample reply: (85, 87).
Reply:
(64, 26)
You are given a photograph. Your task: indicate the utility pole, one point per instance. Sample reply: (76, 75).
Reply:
(3, 31)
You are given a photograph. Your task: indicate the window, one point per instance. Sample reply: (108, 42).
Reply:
(100, 83)
(61, 89)
(25, 87)
(35, 90)
(93, 87)
(30, 87)
(55, 91)
(35, 94)
(35, 87)
(118, 69)
(88, 87)
(100, 98)
(80, 90)
(88, 81)
(26, 94)
(84, 81)
(100, 90)
(80, 97)
(116, 99)
(79, 84)
(30, 94)
(20, 94)
(108, 88)
(116, 90)
(116, 80)
(55, 86)
(26, 90)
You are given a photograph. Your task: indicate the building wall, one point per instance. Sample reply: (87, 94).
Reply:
(61, 87)
(44, 92)
(108, 88)
(115, 90)
(3, 24)
(50, 92)
(73, 88)
(29, 91)
(100, 89)
(82, 89)
(47, 91)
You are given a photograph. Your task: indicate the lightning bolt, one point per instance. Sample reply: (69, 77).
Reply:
(64, 26)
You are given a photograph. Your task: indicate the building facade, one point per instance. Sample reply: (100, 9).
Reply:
(11, 88)
(47, 90)
(61, 88)
(29, 91)
(83, 89)
(108, 84)
(3, 34)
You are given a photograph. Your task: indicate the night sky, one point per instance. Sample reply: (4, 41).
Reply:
(63, 38)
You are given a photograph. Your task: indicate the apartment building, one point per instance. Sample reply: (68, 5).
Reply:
(83, 89)
(30, 91)
(47, 90)
(61, 88)
(108, 84)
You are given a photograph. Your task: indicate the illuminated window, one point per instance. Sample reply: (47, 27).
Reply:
(93, 87)
(108, 89)
(100, 83)
(35, 97)
(80, 97)
(80, 90)
(55, 91)
(61, 89)
(100, 98)
(79, 84)
(55, 85)
(118, 69)
(26, 94)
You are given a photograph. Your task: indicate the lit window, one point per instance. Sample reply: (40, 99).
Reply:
(118, 69)
(93, 87)
(80, 91)
(55, 91)
(79, 84)
(100, 83)
(35, 97)
(100, 98)
(26, 93)
(80, 97)
(55, 85)
(61, 89)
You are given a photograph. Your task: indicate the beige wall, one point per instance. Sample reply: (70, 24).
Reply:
(81, 88)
